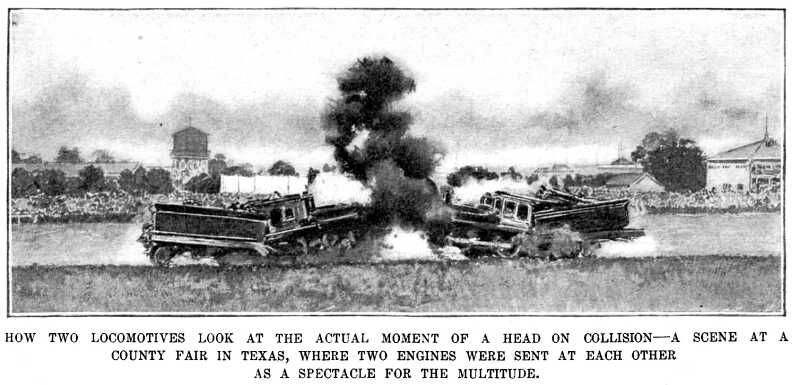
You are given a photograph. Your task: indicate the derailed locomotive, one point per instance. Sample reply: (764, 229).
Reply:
(287, 225)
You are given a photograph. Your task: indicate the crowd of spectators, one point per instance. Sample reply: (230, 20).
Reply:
(123, 207)
(91, 207)
(700, 202)
(116, 206)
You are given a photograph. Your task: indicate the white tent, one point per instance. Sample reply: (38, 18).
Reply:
(262, 184)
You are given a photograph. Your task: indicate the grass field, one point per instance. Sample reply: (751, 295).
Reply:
(670, 284)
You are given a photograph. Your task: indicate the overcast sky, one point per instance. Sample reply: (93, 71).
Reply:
(499, 87)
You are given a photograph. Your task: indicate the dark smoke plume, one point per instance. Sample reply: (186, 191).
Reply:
(371, 141)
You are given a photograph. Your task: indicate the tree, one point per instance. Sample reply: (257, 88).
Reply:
(23, 183)
(127, 182)
(532, 178)
(204, 183)
(553, 182)
(33, 159)
(158, 181)
(512, 174)
(651, 142)
(51, 182)
(67, 155)
(15, 158)
(217, 164)
(102, 156)
(328, 168)
(140, 180)
(237, 170)
(91, 179)
(677, 163)
(459, 177)
(281, 167)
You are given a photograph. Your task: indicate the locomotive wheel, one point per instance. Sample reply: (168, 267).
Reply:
(315, 243)
(329, 240)
(507, 252)
(162, 255)
(511, 252)
(347, 242)
(302, 246)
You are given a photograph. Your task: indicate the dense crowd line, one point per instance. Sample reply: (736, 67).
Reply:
(701, 202)
(91, 207)
(106, 206)
(122, 207)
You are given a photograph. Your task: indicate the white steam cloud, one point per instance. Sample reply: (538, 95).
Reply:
(402, 244)
(641, 247)
(473, 189)
(335, 188)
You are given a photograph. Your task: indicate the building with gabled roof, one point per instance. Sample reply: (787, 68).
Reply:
(754, 166)
(640, 182)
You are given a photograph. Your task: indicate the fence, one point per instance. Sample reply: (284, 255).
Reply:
(262, 184)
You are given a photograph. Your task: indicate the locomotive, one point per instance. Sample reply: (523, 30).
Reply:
(293, 225)
(501, 222)
(289, 224)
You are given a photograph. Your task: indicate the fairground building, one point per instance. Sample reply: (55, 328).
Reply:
(753, 167)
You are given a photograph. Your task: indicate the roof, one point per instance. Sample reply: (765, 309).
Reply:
(190, 130)
(762, 149)
(622, 162)
(555, 168)
(622, 180)
(72, 170)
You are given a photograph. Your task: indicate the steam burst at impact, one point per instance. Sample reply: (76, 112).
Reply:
(472, 189)
(334, 188)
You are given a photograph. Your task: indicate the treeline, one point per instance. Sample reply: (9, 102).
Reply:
(89, 179)
(676, 162)
(65, 155)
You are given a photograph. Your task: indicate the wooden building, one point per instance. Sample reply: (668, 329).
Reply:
(755, 166)
(639, 182)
